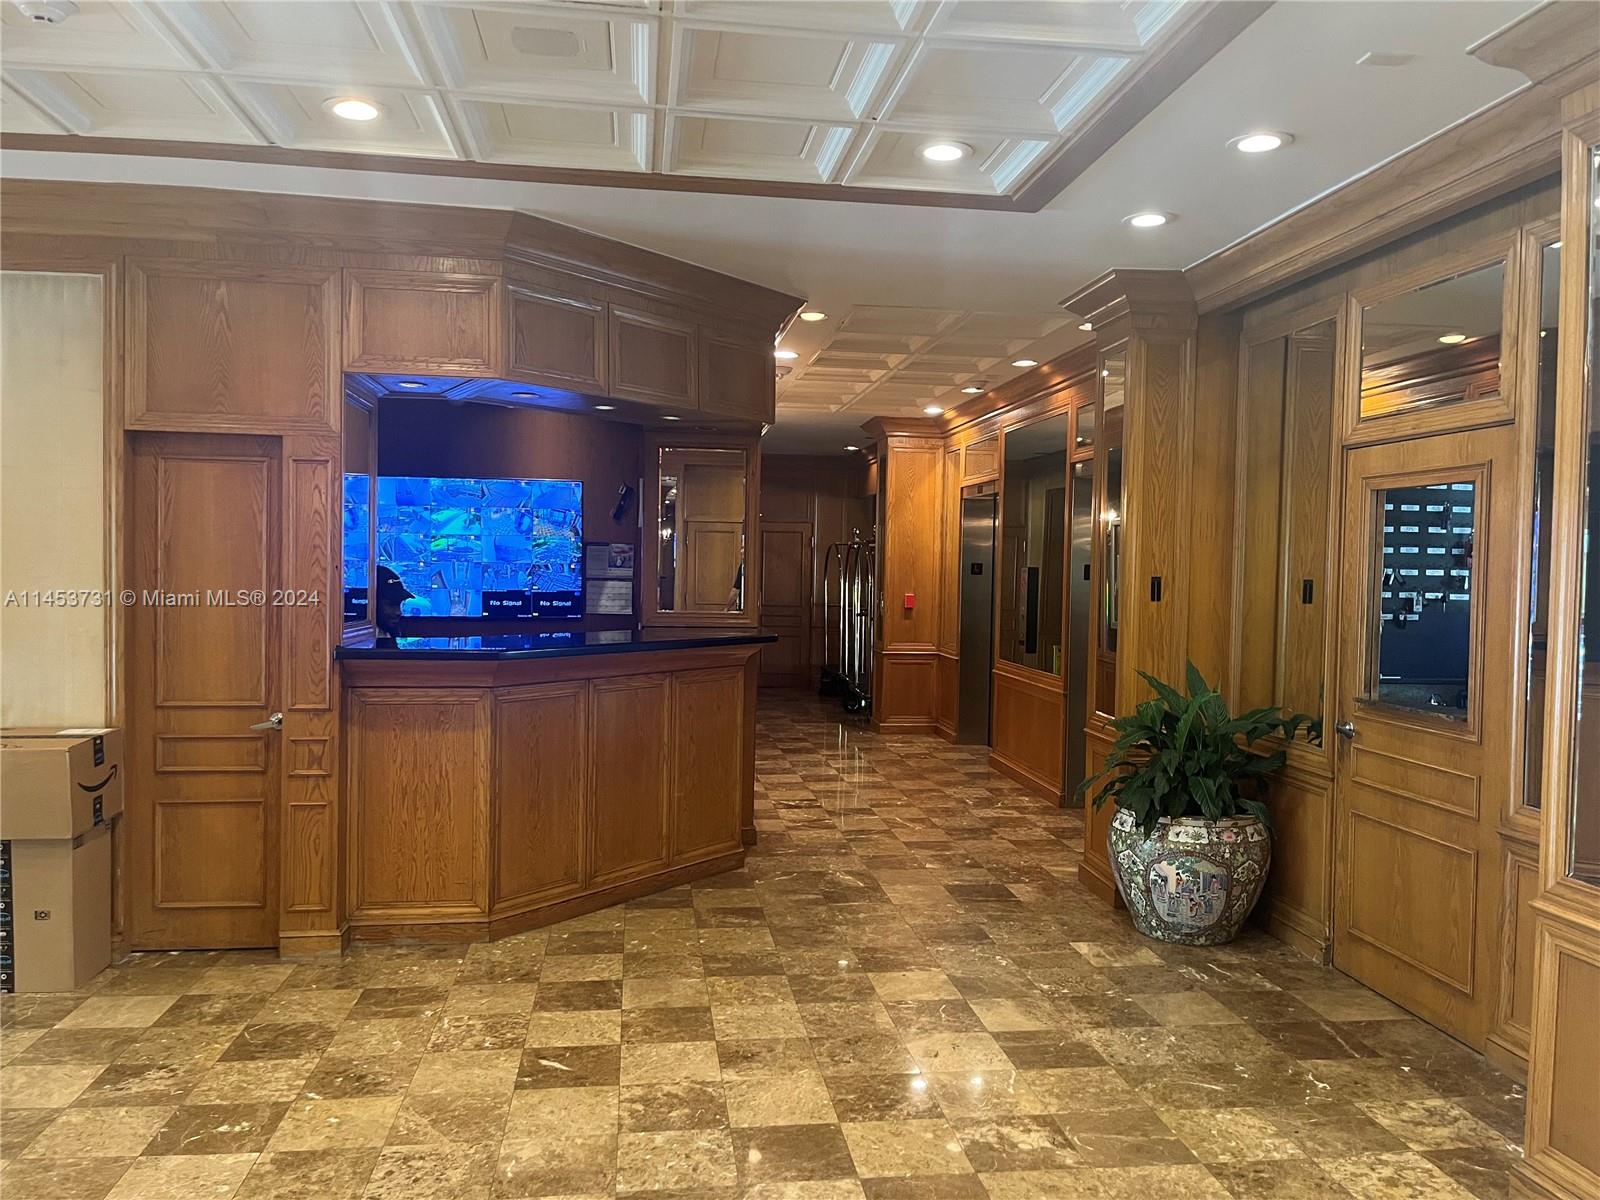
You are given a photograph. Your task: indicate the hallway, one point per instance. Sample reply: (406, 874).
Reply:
(904, 994)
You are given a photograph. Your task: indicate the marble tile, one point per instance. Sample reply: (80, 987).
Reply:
(883, 1097)
(264, 1079)
(1402, 1176)
(779, 1100)
(97, 1132)
(309, 1175)
(444, 1118)
(62, 1178)
(569, 1066)
(669, 1062)
(901, 1148)
(767, 1154)
(684, 1160)
(655, 1107)
(183, 1177)
(335, 1124)
(1432, 1124)
(216, 1129)
(575, 1028)
(19, 1126)
(1278, 1179)
(53, 1086)
(432, 1173)
(116, 1012)
(1014, 1143)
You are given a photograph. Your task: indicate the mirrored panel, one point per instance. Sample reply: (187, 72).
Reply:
(1584, 855)
(355, 564)
(700, 561)
(1424, 651)
(1113, 391)
(1437, 345)
(1544, 454)
(1083, 430)
(1033, 537)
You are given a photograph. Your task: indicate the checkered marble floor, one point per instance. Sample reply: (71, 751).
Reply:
(904, 995)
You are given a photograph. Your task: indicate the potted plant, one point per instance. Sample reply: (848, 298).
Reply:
(1191, 840)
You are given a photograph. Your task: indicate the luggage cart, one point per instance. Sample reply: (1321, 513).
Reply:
(849, 617)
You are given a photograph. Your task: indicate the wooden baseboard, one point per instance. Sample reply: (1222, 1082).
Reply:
(947, 732)
(487, 928)
(313, 943)
(905, 725)
(1293, 928)
(1529, 1183)
(1506, 1057)
(1035, 783)
(1102, 886)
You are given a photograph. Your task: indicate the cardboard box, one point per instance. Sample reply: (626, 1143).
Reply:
(58, 783)
(57, 932)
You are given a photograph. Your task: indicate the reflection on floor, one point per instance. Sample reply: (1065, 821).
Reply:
(905, 994)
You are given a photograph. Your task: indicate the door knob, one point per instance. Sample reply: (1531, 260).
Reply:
(275, 721)
(1346, 730)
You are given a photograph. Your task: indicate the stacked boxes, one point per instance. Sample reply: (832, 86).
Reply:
(60, 792)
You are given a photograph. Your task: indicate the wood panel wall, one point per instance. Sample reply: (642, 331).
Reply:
(807, 504)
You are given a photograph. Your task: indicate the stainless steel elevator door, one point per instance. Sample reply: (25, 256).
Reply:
(1080, 603)
(977, 619)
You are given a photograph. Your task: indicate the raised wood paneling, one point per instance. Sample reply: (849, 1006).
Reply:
(708, 723)
(419, 816)
(1296, 902)
(653, 358)
(556, 339)
(1028, 729)
(430, 322)
(629, 744)
(786, 602)
(539, 815)
(231, 346)
(1514, 1004)
(904, 690)
(1094, 870)
(736, 377)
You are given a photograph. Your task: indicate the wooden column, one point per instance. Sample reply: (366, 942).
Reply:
(910, 460)
(1147, 320)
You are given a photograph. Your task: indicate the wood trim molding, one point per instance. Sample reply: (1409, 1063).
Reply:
(484, 238)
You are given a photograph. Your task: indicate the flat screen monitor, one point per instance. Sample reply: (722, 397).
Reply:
(493, 548)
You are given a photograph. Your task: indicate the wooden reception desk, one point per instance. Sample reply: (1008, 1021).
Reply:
(498, 784)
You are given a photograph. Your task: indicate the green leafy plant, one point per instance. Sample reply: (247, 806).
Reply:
(1187, 756)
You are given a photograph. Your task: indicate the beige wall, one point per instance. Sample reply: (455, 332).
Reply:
(53, 502)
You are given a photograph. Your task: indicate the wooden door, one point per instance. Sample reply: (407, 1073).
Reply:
(786, 603)
(203, 667)
(1427, 616)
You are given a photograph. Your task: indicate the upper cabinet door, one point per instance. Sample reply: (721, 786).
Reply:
(736, 378)
(653, 358)
(555, 339)
(231, 346)
(435, 324)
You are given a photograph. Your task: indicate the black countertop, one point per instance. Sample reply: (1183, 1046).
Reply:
(560, 644)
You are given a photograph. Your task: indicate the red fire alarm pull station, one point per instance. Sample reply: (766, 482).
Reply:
(911, 601)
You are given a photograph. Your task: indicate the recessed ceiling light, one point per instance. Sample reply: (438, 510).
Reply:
(1260, 142)
(1452, 339)
(670, 417)
(812, 314)
(933, 410)
(525, 395)
(352, 108)
(785, 355)
(1147, 220)
(1086, 326)
(972, 391)
(852, 447)
(411, 384)
(946, 152)
(1025, 362)
(604, 407)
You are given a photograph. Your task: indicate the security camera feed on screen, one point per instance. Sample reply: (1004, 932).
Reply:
(357, 524)
(494, 548)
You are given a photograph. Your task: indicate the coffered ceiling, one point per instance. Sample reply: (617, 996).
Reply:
(766, 92)
(881, 360)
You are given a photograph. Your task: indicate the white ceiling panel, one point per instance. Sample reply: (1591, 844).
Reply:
(598, 139)
(338, 41)
(851, 16)
(17, 115)
(179, 107)
(100, 34)
(1008, 89)
(296, 115)
(778, 73)
(799, 151)
(1089, 24)
(892, 158)
(520, 51)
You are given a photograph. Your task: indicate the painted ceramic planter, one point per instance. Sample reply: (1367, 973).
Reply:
(1192, 881)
